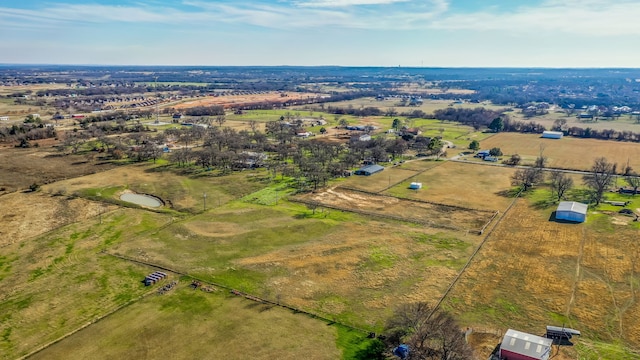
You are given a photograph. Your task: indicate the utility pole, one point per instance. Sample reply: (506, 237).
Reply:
(276, 196)
(204, 198)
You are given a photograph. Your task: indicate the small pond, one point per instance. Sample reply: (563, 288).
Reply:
(144, 200)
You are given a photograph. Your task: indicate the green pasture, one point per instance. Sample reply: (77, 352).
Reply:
(59, 281)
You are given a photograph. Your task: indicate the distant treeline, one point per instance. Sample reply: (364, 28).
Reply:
(205, 111)
(26, 132)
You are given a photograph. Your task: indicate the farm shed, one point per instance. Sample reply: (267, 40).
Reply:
(518, 345)
(415, 186)
(571, 211)
(4, 118)
(552, 135)
(369, 170)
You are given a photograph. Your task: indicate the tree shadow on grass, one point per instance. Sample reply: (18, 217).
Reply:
(509, 193)
(545, 204)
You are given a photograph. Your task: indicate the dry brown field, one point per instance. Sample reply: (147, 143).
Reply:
(26, 215)
(23, 167)
(6, 90)
(566, 153)
(533, 272)
(427, 213)
(623, 123)
(380, 181)
(238, 100)
(467, 185)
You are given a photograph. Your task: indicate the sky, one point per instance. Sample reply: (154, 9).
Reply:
(407, 33)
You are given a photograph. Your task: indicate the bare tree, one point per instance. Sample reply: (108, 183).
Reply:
(600, 178)
(253, 125)
(631, 177)
(527, 177)
(633, 180)
(431, 335)
(560, 183)
(220, 119)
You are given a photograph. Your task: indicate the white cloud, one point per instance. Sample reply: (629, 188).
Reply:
(345, 3)
(582, 17)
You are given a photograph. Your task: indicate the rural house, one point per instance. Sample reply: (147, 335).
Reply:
(572, 211)
(4, 118)
(369, 170)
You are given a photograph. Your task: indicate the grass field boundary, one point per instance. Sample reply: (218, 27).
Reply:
(473, 255)
(91, 322)
(237, 292)
(68, 224)
(457, 207)
(418, 173)
(379, 215)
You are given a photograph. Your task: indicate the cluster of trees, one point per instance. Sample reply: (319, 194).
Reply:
(350, 110)
(478, 117)
(26, 132)
(205, 110)
(598, 179)
(429, 335)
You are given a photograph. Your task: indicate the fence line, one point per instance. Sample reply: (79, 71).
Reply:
(473, 255)
(418, 173)
(236, 292)
(379, 215)
(91, 322)
(457, 207)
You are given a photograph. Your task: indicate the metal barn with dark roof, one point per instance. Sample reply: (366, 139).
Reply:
(369, 170)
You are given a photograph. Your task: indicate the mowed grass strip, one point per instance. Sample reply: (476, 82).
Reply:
(188, 324)
(460, 184)
(58, 282)
(566, 153)
(534, 272)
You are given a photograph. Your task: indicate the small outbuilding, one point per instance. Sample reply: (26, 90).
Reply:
(552, 135)
(369, 170)
(415, 186)
(517, 345)
(572, 211)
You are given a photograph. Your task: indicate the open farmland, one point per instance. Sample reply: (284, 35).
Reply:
(26, 215)
(532, 272)
(428, 106)
(341, 265)
(467, 185)
(57, 282)
(380, 181)
(228, 101)
(196, 325)
(565, 153)
(626, 122)
(436, 215)
(23, 167)
(183, 193)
